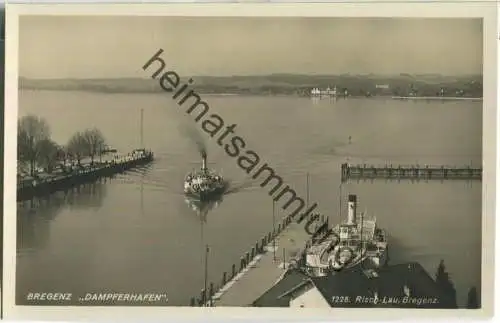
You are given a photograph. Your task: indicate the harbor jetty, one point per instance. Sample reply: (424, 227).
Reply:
(264, 264)
(412, 172)
(437, 98)
(45, 183)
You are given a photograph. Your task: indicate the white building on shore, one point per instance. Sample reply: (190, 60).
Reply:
(327, 92)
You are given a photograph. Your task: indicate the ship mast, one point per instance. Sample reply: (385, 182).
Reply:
(142, 128)
(340, 201)
(361, 231)
(307, 191)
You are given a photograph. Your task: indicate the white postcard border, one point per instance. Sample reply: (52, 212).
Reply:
(487, 11)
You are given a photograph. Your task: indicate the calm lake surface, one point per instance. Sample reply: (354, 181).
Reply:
(135, 233)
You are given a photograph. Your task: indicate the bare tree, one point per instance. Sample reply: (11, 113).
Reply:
(77, 147)
(31, 131)
(444, 282)
(95, 142)
(48, 154)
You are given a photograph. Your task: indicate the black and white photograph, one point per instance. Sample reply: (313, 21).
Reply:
(248, 161)
(2, 84)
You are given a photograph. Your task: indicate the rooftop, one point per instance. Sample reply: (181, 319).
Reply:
(390, 282)
(278, 295)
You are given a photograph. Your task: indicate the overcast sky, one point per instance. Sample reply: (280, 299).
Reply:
(108, 47)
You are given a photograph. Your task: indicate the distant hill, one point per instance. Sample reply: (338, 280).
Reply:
(267, 84)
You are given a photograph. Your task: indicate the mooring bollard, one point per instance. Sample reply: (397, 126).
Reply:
(211, 290)
(224, 278)
(252, 253)
(192, 302)
(233, 271)
(203, 296)
(242, 263)
(257, 250)
(247, 258)
(269, 237)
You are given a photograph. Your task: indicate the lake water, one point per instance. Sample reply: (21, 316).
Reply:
(135, 233)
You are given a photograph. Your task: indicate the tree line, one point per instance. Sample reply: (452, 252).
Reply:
(36, 148)
(444, 282)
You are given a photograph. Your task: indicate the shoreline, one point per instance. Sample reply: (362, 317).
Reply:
(211, 94)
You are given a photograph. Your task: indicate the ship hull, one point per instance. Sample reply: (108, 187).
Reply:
(367, 262)
(206, 195)
(361, 259)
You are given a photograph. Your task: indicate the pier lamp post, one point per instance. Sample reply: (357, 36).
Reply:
(205, 301)
(284, 259)
(274, 228)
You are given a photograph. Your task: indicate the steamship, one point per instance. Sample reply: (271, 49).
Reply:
(204, 185)
(355, 242)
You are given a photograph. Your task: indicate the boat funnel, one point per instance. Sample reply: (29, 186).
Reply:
(203, 161)
(351, 212)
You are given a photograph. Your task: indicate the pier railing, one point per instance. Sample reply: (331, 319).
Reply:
(49, 183)
(249, 260)
(412, 172)
(207, 297)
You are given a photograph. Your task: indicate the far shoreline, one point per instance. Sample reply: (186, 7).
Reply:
(222, 94)
(436, 98)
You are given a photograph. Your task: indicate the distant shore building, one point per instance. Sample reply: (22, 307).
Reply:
(327, 92)
(382, 86)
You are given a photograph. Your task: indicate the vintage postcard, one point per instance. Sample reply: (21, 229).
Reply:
(2, 86)
(249, 160)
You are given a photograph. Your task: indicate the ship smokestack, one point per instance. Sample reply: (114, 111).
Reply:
(351, 209)
(203, 161)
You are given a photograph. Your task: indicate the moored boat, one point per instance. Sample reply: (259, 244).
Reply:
(355, 242)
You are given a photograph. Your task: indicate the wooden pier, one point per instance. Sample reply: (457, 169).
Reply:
(27, 189)
(260, 267)
(415, 172)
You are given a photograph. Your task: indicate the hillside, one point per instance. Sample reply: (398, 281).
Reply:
(291, 84)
